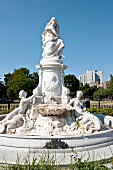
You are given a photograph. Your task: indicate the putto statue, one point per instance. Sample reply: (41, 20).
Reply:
(76, 104)
(52, 44)
(88, 122)
(17, 117)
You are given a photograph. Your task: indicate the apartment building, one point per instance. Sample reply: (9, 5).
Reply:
(92, 77)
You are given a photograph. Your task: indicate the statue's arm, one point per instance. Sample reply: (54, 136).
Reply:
(54, 29)
(83, 107)
(29, 98)
(71, 102)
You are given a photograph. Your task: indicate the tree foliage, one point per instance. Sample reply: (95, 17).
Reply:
(100, 93)
(109, 90)
(72, 83)
(7, 78)
(2, 90)
(20, 79)
(88, 91)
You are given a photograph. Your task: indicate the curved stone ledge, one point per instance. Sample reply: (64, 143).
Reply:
(38, 142)
(19, 149)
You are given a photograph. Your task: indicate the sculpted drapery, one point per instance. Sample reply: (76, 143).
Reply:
(52, 44)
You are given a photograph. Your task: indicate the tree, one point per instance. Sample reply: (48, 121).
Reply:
(20, 79)
(35, 77)
(110, 88)
(2, 90)
(7, 78)
(100, 93)
(88, 91)
(72, 83)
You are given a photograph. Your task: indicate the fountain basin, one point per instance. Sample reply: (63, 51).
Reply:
(78, 142)
(13, 146)
(97, 146)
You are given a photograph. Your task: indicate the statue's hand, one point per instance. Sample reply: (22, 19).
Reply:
(69, 107)
(84, 109)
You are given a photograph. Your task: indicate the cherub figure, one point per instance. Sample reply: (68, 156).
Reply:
(18, 113)
(76, 104)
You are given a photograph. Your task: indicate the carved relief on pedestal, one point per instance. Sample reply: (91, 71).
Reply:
(51, 82)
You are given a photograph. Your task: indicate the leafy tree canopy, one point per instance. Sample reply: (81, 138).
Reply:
(7, 78)
(2, 90)
(109, 90)
(88, 91)
(72, 83)
(100, 93)
(20, 79)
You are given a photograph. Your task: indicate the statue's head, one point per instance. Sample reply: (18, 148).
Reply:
(22, 93)
(53, 19)
(79, 94)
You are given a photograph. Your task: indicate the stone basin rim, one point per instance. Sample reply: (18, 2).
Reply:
(82, 136)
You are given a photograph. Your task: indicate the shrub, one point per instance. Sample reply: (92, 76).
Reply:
(106, 111)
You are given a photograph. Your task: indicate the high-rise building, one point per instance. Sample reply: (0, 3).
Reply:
(92, 77)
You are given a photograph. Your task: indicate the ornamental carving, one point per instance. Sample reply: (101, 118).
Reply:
(56, 144)
(51, 82)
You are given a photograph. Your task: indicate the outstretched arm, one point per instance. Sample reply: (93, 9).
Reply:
(29, 98)
(71, 102)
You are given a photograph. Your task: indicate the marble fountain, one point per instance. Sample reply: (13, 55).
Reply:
(50, 120)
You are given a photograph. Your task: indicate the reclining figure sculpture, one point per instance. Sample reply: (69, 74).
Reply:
(85, 120)
(17, 117)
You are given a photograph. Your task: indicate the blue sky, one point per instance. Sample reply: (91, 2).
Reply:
(86, 27)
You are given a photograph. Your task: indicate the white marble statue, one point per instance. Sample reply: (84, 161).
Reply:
(51, 111)
(89, 123)
(22, 119)
(65, 91)
(18, 113)
(76, 104)
(52, 44)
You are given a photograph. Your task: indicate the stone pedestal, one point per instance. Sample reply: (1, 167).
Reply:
(51, 81)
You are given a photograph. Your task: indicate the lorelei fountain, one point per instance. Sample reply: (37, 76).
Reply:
(50, 119)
